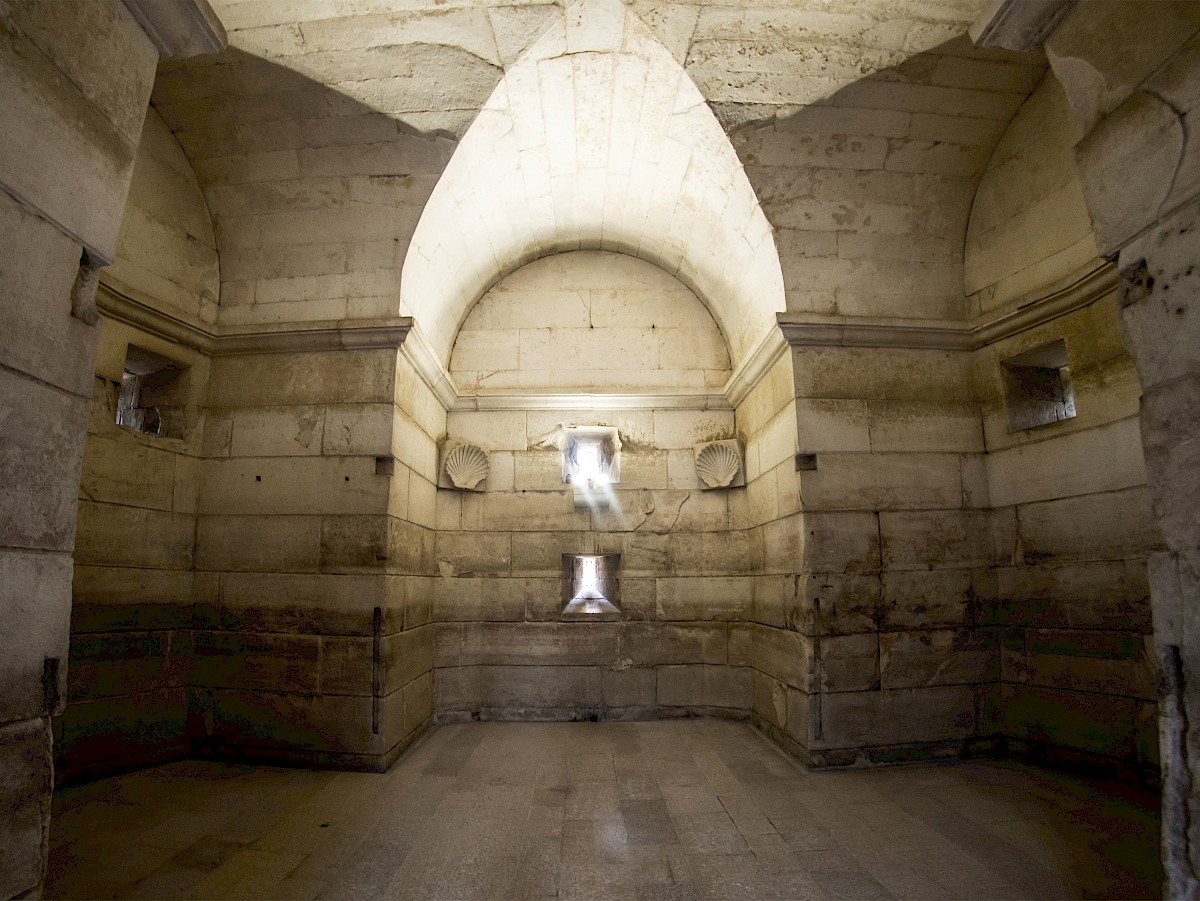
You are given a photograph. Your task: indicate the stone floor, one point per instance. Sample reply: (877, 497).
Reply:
(666, 810)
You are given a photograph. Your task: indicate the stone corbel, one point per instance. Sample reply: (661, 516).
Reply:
(83, 292)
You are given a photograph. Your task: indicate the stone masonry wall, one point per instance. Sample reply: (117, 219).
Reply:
(897, 531)
(591, 322)
(302, 534)
(131, 639)
(72, 123)
(131, 606)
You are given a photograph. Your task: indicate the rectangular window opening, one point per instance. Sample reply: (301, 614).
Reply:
(1037, 387)
(590, 586)
(153, 394)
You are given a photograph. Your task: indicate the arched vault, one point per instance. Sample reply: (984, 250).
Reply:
(598, 139)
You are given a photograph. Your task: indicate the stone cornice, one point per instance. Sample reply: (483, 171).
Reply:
(645, 401)
(812, 330)
(755, 365)
(1019, 25)
(218, 341)
(179, 28)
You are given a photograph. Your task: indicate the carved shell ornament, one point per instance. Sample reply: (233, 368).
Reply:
(466, 466)
(717, 465)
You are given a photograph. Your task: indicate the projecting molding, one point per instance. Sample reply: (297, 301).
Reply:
(1019, 25)
(813, 330)
(179, 28)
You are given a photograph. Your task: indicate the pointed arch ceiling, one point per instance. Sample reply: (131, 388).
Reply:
(596, 138)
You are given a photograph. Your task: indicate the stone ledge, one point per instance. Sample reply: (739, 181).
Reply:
(812, 330)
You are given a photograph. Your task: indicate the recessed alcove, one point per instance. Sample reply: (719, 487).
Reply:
(590, 587)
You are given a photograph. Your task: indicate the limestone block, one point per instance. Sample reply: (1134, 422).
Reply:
(277, 431)
(896, 481)
(285, 721)
(534, 689)
(642, 554)
(832, 425)
(1120, 524)
(948, 539)
(26, 762)
(119, 663)
(1066, 466)
(713, 552)
(456, 689)
(312, 604)
(848, 662)
(539, 470)
(408, 656)
(919, 426)
(1111, 663)
(784, 544)
(40, 457)
(82, 179)
(881, 374)
(705, 686)
(133, 729)
(418, 703)
(257, 661)
(770, 700)
(1159, 329)
(867, 718)
(542, 644)
(1097, 595)
(293, 485)
(703, 598)
(1169, 432)
(110, 598)
(41, 336)
(346, 377)
(540, 553)
(410, 548)
(708, 511)
(785, 656)
(1101, 724)
(836, 603)
(529, 511)
(131, 536)
(923, 600)
(654, 643)
(842, 542)
(938, 657)
(634, 686)
(422, 501)
(35, 608)
(801, 726)
(774, 600)
(643, 469)
(418, 594)
(773, 444)
(448, 644)
(508, 599)
(475, 553)
(263, 543)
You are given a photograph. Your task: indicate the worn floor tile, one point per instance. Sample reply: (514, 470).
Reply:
(663, 811)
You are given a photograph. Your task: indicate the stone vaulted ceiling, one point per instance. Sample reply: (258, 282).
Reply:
(320, 134)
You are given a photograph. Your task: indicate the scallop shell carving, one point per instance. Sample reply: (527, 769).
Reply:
(466, 466)
(717, 465)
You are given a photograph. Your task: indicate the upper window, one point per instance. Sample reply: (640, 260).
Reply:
(153, 394)
(1037, 387)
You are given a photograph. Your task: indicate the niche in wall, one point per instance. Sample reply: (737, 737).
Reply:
(153, 394)
(590, 588)
(1037, 387)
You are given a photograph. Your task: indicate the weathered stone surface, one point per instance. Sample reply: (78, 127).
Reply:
(25, 787)
(857, 719)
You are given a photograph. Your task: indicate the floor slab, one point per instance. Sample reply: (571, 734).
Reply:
(687, 809)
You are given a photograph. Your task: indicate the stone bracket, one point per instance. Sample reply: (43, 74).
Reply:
(179, 28)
